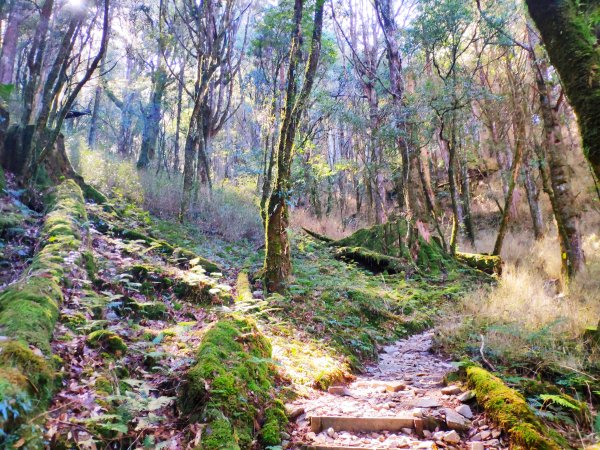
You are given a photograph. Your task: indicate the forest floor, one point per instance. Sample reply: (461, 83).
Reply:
(136, 312)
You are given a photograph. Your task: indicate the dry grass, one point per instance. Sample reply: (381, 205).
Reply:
(526, 318)
(330, 226)
(230, 211)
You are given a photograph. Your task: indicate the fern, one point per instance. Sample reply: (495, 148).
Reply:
(558, 400)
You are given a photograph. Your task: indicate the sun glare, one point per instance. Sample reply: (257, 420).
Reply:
(78, 4)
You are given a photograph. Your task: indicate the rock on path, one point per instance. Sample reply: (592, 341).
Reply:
(405, 387)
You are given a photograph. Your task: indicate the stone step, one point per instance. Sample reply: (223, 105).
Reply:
(366, 424)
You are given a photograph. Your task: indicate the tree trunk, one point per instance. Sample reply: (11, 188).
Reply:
(152, 117)
(563, 199)
(10, 41)
(176, 162)
(457, 213)
(93, 134)
(572, 44)
(189, 156)
(466, 199)
(94, 119)
(278, 264)
(533, 200)
(512, 182)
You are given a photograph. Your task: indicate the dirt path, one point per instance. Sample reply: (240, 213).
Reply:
(401, 402)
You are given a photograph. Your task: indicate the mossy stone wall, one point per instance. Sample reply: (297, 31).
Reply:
(29, 310)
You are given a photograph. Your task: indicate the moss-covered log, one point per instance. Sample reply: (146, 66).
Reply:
(244, 293)
(569, 29)
(231, 388)
(317, 236)
(375, 262)
(489, 264)
(510, 411)
(392, 240)
(29, 310)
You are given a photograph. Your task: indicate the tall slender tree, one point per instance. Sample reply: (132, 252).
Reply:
(278, 264)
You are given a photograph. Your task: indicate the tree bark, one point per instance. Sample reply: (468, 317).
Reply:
(180, 81)
(572, 45)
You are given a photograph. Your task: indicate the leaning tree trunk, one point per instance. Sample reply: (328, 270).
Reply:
(512, 181)
(572, 41)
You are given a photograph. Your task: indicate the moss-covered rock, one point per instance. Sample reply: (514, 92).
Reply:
(29, 310)
(74, 321)
(275, 423)
(510, 411)
(232, 385)
(195, 286)
(108, 341)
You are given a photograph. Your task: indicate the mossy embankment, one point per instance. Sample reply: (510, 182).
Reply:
(133, 224)
(29, 310)
(231, 388)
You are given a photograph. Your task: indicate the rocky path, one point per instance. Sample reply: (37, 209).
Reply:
(401, 402)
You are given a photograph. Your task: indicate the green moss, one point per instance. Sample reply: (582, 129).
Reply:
(275, 423)
(87, 258)
(74, 321)
(231, 383)
(374, 261)
(152, 310)
(244, 293)
(37, 369)
(219, 434)
(510, 411)
(103, 384)
(108, 341)
(9, 220)
(390, 240)
(489, 264)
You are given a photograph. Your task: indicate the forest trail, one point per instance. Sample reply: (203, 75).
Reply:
(400, 402)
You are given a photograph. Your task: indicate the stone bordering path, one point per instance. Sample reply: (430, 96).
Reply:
(28, 313)
(405, 388)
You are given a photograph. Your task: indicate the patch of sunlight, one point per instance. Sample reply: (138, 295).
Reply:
(308, 364)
